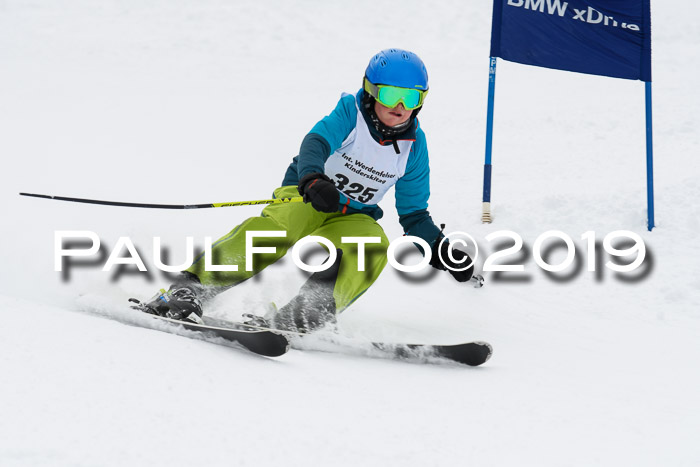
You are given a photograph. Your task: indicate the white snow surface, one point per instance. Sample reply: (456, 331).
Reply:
(194, 102)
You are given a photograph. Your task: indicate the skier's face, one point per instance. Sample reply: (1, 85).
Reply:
(392, 117)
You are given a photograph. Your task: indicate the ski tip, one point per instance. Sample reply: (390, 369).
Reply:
(482, 352)
(487, 351)
(472, 354)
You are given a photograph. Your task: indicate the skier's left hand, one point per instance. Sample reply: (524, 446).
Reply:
(461, 259)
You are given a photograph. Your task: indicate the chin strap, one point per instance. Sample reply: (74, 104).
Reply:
(387, 132)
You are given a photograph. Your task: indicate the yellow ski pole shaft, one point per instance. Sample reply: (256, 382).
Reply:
(296, 199)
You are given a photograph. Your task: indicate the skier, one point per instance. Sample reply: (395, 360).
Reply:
(370, 142)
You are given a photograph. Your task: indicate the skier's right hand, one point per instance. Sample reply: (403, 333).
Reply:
(320, 191)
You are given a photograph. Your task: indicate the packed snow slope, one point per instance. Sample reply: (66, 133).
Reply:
(208, 101)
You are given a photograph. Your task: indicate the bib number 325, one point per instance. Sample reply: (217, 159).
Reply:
(354, 190)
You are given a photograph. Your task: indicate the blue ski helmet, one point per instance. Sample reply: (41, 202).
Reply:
(397, 67)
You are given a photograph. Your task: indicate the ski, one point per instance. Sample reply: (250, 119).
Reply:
(274, 342)
(267, 342)
(468, 353)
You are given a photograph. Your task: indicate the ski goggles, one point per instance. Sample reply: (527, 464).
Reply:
(390, 96)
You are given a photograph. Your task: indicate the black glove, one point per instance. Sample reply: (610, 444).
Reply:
(320, 191)
(461, 260)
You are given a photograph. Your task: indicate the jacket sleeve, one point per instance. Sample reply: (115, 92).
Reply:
(413, 192)
(327, 136)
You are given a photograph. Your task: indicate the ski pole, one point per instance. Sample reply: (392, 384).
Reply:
(295, 199)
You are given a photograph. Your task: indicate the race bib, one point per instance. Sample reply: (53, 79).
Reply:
(362, 169)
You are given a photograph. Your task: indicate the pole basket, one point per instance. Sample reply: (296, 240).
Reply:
(486, 213)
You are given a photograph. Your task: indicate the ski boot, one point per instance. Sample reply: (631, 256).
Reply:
(179, 303)
(310, 310)
(303, 314)
(257, 321)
